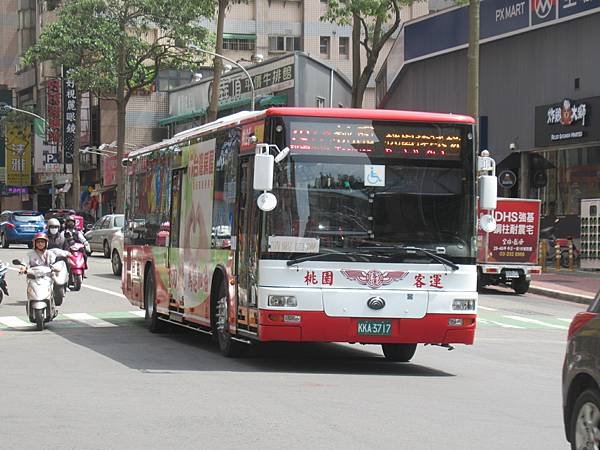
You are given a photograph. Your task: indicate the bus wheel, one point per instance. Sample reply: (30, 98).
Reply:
(227, 345)
(151, 317)
(399, 352)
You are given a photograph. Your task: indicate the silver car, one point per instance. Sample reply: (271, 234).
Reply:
(100, 236)
(116, 258)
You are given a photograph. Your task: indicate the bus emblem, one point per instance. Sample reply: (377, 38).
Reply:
(374, 278)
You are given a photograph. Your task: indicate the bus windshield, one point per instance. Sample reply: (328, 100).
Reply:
(378, 195)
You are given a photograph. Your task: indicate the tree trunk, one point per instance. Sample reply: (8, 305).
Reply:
(356, 32)
(76, 184)
(473, 65)
(213, 107)
(121, 101)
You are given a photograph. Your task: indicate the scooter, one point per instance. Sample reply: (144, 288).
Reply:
(41, 306)
(60, 274)
(77, 265)
(3, 287)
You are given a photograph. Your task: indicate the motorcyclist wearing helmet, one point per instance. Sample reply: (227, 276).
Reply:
(55, 237)
(39, 256)
(71, 235)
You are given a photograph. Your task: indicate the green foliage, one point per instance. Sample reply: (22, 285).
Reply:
(111, 43)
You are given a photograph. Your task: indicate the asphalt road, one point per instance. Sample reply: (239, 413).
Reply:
(101, 380)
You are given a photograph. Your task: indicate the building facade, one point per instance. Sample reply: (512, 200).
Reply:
(275, 27)
(539, 93)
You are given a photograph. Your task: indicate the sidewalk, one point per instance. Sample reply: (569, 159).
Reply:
(577, 286)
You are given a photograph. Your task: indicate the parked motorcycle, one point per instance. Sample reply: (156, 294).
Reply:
(41, 306)
(3, 287)
(77, 265)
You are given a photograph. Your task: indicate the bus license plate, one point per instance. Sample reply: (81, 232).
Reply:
(375, 328)
(511, 274)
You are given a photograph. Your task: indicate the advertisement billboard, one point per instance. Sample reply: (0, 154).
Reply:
(516, 237)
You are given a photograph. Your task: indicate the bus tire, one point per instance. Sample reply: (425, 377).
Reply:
(151, 317)
(228, 347)
(399, 352)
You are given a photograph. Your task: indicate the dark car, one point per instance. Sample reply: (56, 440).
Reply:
(61, 214)
(18, 227)
(581, 379)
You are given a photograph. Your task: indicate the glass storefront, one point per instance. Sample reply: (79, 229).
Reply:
(576, 176)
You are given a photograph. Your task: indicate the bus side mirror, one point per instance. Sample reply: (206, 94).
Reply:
(263, 171)
(488, 192)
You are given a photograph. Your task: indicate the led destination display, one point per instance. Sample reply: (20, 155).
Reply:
(401, 140)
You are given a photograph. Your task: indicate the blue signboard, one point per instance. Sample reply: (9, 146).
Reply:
(448, 30)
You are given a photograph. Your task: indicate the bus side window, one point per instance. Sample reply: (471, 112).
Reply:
(227, 148)
(174, 221)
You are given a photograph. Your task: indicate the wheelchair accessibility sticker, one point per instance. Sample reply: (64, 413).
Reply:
(374, 175)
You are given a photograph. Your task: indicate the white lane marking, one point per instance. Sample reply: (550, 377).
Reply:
(485, 308)
(503, 325)
(106, 291)
(15, 322)
(89, 320)
(565, 320)
(537, 322)
(138, 313)
(482, 320)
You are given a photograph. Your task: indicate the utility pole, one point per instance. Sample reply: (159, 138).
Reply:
(473, 67)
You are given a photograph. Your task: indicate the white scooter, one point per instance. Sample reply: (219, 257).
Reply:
(42, 285)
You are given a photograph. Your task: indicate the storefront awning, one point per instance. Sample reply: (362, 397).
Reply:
(243, 37)
(182, 117)
(274, 100)
(537, 161)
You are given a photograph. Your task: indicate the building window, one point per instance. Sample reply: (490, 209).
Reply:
(344, 47)
(284, 44)
(324, 46)
(239, 43)
(320, 102)
(171, 78)
(26, 25)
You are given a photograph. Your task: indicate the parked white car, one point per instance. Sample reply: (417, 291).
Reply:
(116, 257)
(101, 234)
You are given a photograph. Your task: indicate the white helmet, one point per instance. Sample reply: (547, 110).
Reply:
(53, 226)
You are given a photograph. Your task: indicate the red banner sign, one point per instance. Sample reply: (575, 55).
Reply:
(516, 237)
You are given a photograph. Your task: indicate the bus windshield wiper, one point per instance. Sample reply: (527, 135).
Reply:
(409, 249)
(315, 256)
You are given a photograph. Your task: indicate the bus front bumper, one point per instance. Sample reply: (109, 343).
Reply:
(316, 326)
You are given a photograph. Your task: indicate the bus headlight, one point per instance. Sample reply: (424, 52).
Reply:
(282, 301)
(463, 304)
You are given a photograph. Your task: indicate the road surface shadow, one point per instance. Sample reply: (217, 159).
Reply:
(105, 275)
(182, 350)
(498, 290)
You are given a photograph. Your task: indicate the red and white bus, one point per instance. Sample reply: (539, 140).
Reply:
(308, 225)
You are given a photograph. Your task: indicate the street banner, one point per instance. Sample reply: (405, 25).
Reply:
(516, 237)
(69, 120)
(46, 158)
(18, 155)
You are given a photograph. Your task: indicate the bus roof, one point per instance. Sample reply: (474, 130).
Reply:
(340, 113)
(373, 114)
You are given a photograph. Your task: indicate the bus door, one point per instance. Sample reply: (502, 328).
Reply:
(247, 248)
(173, 263)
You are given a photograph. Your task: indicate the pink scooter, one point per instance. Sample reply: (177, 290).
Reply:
(77, 265)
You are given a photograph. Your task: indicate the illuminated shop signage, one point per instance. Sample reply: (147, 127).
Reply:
(379, 139)
(569, 121)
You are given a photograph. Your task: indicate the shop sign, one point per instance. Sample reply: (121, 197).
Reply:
(18, 155)
(53, 111)
(449, 30)
(569, 121)
(70, 113)
(267, 78)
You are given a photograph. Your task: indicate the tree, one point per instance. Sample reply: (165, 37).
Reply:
(373, 23)
(124, 44)
(213, 106)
